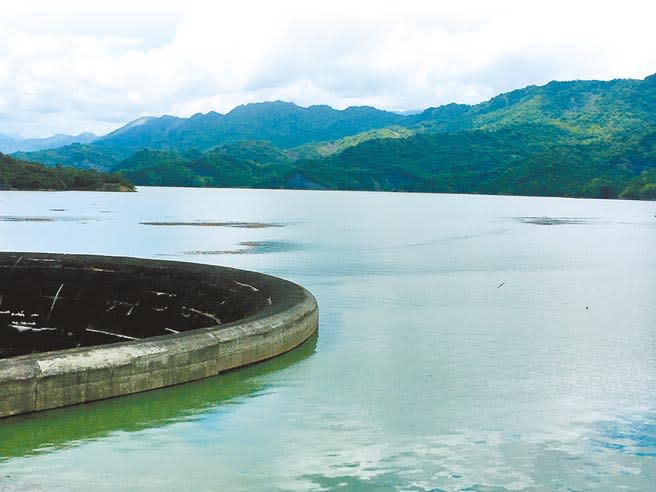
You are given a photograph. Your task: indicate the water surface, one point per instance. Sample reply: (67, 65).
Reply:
(466, 343)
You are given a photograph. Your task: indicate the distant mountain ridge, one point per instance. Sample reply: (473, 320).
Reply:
(592, 132)
(601, 109)
(281, 123)
(10, 144)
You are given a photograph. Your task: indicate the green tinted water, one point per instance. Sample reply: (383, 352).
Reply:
(466, 343)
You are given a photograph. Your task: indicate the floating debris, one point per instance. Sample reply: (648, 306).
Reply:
(25, 218)
(250, 247)
(54, 301)
(211, 252)
(248, 286)
(243, 225)
(203, 313)
(9, 218)
(554, 220)
(112, 334)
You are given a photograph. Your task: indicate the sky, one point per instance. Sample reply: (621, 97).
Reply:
(71, 66)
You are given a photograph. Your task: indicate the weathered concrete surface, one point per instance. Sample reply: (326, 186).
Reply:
(282, 316)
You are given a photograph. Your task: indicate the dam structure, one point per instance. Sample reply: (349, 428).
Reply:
(78, 328)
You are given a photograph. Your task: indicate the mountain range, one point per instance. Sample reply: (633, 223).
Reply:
(12, 143)
(577, 138)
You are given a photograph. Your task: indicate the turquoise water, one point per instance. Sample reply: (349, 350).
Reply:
(466, 343)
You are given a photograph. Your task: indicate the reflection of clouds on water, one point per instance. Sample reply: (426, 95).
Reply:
(483, 462)
(466, 461)
(427, 377)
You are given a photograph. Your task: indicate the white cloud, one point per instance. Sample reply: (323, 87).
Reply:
(93, 66)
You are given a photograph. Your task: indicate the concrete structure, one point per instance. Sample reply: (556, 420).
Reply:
(82, 328)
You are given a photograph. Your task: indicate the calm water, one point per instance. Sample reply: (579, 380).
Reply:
(466, 343)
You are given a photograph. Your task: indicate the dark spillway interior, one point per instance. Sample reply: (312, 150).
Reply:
(59, 302)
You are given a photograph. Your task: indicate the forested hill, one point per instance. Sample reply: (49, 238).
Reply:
(522, 160)
(20, 175)
(283, 124)
(579, 138)
(590, 108)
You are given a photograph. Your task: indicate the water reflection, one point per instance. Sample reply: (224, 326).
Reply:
(635, 436)
(428, 375)
(70, 426)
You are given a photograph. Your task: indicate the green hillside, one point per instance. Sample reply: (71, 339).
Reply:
(20, 175)
(591, 108)
(520, 160)
(251, 166)
(82, 156)
(524, 160)
(317, 150)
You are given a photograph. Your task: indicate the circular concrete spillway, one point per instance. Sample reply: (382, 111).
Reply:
(77, 328)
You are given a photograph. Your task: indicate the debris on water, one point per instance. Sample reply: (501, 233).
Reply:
(242, 225)
(54, 301)
(60, 218)
(501, 284)
(554, 220)
(250, 247)
(8, 218)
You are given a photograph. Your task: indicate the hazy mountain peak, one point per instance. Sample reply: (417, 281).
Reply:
(10, 144)
(139, 122)
(133, 124)
(258, 106)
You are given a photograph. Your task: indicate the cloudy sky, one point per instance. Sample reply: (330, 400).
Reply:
(70, 66)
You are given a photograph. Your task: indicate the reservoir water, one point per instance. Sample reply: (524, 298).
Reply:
(466, 343)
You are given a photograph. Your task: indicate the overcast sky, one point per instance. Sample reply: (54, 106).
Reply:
(92, 66)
